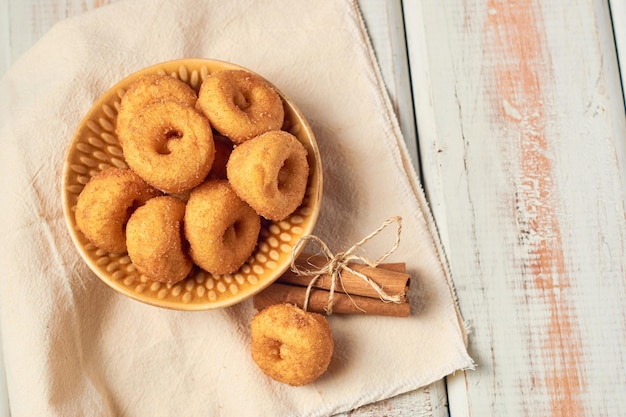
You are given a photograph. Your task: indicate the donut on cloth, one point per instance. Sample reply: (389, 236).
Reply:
(154, 237)
(291, 345)
(270, 173)
(240, 105)
(170, 145)
(105, 205)
(221, 229)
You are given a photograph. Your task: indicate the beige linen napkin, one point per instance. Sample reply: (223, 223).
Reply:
(75, 347)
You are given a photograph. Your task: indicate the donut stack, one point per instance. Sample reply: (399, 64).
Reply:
(204, 170)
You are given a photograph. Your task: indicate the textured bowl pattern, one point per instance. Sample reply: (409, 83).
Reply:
(95, 147)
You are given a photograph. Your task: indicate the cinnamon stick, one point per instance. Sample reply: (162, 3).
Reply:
(391, 277)
(342, 303)
(361, 298)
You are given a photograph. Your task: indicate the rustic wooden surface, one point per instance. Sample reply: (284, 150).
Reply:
(519, 110)
(522, 130)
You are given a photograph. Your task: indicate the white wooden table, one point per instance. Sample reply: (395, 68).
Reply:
(518, 106)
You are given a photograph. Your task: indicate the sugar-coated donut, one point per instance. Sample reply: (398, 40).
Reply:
(170, 145)
(221, 229)
(154, 238)
(291, 345)
(270, 173)
(147, 90)
(240, 105)
(105, 204)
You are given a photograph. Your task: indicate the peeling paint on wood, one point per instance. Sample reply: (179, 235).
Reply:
(522, 71)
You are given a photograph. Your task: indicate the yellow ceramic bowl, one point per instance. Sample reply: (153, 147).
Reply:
(95, 147)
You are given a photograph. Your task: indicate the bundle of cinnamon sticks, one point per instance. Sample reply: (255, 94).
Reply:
(352, 295)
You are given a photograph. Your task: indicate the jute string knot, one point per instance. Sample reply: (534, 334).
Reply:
(338, 263)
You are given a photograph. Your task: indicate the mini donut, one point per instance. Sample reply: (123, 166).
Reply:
(105, 204)
(154, 240)
(270, 173)
(150, 89)
(240, 105)
(221, 229)
(291, 345)
(170, 145)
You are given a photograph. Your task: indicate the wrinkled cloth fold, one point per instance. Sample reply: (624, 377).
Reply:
(72, 346)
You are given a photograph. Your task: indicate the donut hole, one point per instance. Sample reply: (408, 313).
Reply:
(233, 232)
(283, 179)
(169, 135)
(242, 100)
(173, 134)
(134, 205)
(275, 349)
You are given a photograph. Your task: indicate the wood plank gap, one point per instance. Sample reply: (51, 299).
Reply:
(414, 146)
(617, 12)
(617, 20)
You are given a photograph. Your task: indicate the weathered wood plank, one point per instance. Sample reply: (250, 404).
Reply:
(385, 24)
(35, 18)
(430, 401)
(520, 122)
(618, 23)
(618, 20)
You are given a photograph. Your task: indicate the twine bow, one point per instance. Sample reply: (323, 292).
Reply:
(337, 263)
